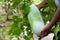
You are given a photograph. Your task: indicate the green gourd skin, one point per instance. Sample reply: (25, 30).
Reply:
(35, 19)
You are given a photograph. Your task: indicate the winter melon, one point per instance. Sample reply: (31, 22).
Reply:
(35, 19)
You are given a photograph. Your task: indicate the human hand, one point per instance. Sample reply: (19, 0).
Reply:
(45, 31)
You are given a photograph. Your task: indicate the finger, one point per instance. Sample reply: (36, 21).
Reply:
(43, 34)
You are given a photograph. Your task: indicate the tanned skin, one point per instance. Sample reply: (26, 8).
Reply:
(42, 4)
(55, 18)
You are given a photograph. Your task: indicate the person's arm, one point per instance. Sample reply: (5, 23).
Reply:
(48, 27)
(43, 3)
(54, 19)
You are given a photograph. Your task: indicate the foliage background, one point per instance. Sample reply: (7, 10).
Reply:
(18, 11)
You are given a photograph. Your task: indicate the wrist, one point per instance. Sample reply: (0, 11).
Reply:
(41, 5)
(47, 27)
(50, 25)
(44, 2)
